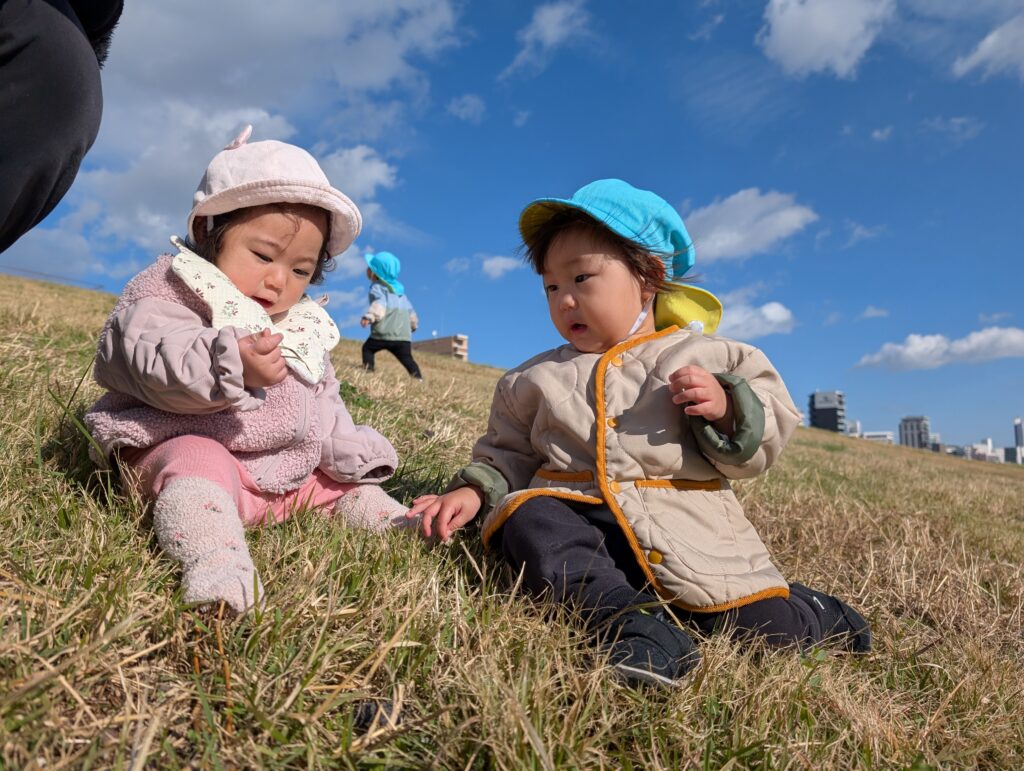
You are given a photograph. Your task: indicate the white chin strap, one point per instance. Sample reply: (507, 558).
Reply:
(644, 313)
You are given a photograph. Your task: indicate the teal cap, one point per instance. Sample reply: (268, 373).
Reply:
(639, 215)
(386, 266)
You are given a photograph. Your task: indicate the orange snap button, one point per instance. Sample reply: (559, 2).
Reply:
(614, 486)
(654, 556)
(616, 361)
(612, 422)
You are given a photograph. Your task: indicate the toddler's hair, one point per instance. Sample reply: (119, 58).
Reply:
(648, 268)
(210, 244)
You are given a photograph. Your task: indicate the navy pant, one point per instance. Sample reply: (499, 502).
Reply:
(585, 562)
(402, 349)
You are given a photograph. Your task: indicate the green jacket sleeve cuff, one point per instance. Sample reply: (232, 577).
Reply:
(488, 479)
(749, 416)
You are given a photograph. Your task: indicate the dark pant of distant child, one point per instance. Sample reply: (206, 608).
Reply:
(579, 554)
(50, 101)
(402, 349)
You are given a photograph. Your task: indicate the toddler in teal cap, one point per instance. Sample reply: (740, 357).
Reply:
(604, 475)
(391, 317)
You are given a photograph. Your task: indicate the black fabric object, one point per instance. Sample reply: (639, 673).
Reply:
(402, 350)
(577, 553)
(839, 622)
(51, 103)
(649, 648)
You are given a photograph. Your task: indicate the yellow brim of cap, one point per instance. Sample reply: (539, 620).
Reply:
(683, 303)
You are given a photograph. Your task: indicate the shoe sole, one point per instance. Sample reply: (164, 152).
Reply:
(646, 676)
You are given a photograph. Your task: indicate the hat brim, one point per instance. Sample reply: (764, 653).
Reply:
(346, 222)
(537, 212)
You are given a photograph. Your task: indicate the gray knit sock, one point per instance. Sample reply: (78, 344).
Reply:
(197, 524)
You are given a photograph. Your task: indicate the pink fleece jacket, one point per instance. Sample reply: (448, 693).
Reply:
(170, 373)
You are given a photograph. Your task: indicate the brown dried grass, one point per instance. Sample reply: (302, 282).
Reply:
(101, 666)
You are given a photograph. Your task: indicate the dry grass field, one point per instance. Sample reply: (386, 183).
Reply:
(101, 666)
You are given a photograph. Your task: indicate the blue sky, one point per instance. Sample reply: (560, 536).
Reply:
(850, 170)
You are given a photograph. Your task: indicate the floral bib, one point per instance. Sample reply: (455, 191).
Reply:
(309, 332)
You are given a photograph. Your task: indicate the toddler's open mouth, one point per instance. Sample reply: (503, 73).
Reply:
(264, 303)
(577, 328)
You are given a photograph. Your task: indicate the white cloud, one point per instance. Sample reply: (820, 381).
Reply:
(552, 26)
(860, 233)
(809, 36)
(833, 318)
(744, 319)
(344, 299)
(457, 265)
(882, 134)
(734, 94)
(496, 267)
(994, 318)
(1002, 50)
(167, 113)
(468, 107)
(358, 172)
(520, 118)
(705, 31)
(957, 131)
(931, 351)
(747, 322)
(871, 312)
(350, 263)
(746, 223)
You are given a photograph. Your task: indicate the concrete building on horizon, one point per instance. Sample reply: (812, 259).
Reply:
(828, 410)
(882, 437)
(1018, 432)
(915, 432)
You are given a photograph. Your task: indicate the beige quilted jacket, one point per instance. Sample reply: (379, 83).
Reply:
(602, 428)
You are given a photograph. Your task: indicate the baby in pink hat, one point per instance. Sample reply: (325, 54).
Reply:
(222, 401)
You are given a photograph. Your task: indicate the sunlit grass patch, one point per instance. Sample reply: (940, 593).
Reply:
(102, 666)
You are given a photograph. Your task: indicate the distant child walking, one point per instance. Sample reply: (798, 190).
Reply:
(604, 475)
(222, 400)
(391, 317)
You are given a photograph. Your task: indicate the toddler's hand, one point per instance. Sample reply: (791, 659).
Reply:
(447, 512)
(705, 395)
(364, 322)
(262, 362)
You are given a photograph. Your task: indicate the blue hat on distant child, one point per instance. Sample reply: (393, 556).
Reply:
(386, 266)
(639, 215)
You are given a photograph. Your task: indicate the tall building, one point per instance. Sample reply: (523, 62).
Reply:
(828, 410)
(914, 432)
(1018, 433)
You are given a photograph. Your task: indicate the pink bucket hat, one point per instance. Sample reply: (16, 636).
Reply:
(243, 175)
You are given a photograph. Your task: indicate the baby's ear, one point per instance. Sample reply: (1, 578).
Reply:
(200, 231)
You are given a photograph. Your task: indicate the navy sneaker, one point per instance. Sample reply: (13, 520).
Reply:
(650, 649)
(839, 622)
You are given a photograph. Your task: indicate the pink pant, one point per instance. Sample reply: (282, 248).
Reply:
(198, 456)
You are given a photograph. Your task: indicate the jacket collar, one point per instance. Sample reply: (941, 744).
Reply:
(309, 333)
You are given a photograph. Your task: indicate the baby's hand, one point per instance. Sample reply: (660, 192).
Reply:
(705, 395)
(448, 512)
(262, 362)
